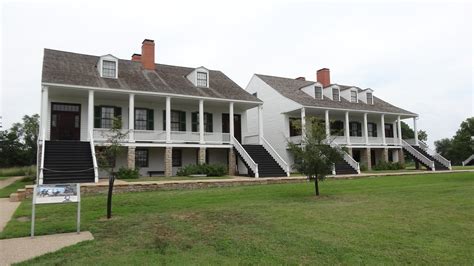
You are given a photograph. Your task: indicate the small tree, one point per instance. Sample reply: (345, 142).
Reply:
(107, 156)
(315, 157)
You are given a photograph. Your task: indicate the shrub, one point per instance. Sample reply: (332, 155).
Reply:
(363, 167)
(202, 169)
(388, 166)
(19, 171)
(127, 173)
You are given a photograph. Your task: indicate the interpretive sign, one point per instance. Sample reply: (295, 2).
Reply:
(56, 193)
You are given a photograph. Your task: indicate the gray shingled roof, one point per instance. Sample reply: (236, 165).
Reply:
(290, 88)
(80, 69)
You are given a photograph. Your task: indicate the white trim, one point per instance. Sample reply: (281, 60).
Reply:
(131, 116)
(147, 93)
(108, 57)
(231, 121)
(90, 113)
(174, 145)
(201, 121)
(382, 123)
(355, 111)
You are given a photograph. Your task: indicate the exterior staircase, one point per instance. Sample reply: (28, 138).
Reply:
(344, 168)
(425, 156)
(267, 166)
(68, 162)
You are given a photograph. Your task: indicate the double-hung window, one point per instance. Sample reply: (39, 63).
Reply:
(176, 157)
(109, 69)
(370, 98)
(355, 129)
(335, 94)
(201, 79)
(208, 126)
(318, 92)
(389, 130)
(337, 128)
(141, 158)
(295, 126)
(104, 116)
(178, 120)
(372, 129)
(144, 119)
(354, 96)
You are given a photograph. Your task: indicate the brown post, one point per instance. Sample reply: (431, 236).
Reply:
(385, 154)
(131, 158)
(232, 162)
(369, 159)
(202, 155)
(401, 156)
(168, 161)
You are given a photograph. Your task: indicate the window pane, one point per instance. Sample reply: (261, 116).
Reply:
(141, 158)
(318, 93)
(369, 98)
(353, 96)
(335, 94)
(141, 119)
(108, 69)
(107, 117)
(201, 79)
(176, 157)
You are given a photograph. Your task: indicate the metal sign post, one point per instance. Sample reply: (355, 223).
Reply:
(56, 193)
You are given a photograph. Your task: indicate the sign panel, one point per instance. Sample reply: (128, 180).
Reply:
(56, 193)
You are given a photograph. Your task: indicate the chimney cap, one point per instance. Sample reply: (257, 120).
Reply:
(323, 69)
(136, 54)
(148, 40)
(300, 78)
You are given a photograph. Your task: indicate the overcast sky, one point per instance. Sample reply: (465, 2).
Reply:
(417, 56)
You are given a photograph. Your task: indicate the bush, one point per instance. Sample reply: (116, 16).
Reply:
(19, 171)
(363, 167)
(127, 173)
(202, 169)
(388, 166)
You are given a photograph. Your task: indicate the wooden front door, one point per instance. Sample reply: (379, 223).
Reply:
(237, 126)
(65, 121)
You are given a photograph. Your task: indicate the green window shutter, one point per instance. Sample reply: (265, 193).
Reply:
(182, 120)
(150, 119)
(164, 120)
(194, 122)
(97, 116)
(117, 112)
(209, 125)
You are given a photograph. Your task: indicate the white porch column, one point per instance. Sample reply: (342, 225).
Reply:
(366, 130)
(260, 124)
(415, 130)
(395, 132)
(303, 123)
(382, 122)
(347, 131)
(131, 116)
(326, 120)
(231, 122)
(44, 111)
(90, 115)
(168, 120)
(399, 129)
(201, 121)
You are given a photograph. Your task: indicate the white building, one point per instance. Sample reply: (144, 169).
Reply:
(354, 118)
(161, 108)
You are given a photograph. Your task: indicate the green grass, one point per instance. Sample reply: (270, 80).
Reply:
(18, 171)
(6, 191)
(416, 219)
(174, 178)
(460, 167)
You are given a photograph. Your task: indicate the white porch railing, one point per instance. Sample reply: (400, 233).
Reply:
(341, 140)
(216, 137)
(149, 135)
(103, 134)
(284, 165)
(43, 143)
(435, 155)
(246, 157)
(185, 136)
(295, 139)
(94, 159)
(411, 142)
(470, 158)
(357, 140)
(251, 139)
(418, 155)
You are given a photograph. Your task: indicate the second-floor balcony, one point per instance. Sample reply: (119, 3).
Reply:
(356, 141)
(159, 136)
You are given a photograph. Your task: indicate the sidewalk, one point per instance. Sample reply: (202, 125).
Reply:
(15, 250)
(7, 209)
(8, 181)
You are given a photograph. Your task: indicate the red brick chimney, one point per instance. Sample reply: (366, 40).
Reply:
(137, 57)
(301, 78)
(148, 54)
(323, 77)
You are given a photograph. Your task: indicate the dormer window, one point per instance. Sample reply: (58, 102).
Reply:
(109, 69)
(201, 79)
(108, 66)
(335, 94)
(370, 98)
(318, 92)
(353, 96)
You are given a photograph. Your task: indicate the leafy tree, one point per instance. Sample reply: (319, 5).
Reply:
(315, 157)
(107, 156)
(408, 133)
(18, 145)
(461, 145)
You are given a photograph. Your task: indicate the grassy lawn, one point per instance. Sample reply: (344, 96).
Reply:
(6, 191)
(17, 171)
(460, 167)
(424, 219)
(174, 178)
